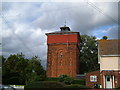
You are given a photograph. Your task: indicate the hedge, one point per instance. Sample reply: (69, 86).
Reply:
(53, 84)
(45, 84)
(81, 82)
(118, 88)
(52, 79)
(77, 86)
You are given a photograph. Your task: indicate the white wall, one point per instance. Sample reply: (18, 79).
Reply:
(110, 63)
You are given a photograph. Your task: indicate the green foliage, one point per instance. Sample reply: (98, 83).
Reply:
(118, 88)
(66, 79)
(2, 60)
(45, 84)
(105, 37)
(0, 75)
(53, 84)
(14, 66)
(0, 69)
(64, 82)
(77, 86)
(88, 54)
(19, 70)
(81, 82)
(52, 79)
(34, 70)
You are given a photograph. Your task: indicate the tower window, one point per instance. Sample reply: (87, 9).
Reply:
(60, 62)
(52, 62)
(48, 63)
(61, 55)
(70, 62)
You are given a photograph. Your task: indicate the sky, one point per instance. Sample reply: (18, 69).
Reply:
(24, 24)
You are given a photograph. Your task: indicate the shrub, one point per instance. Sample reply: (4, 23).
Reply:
(65, 79)
(118, 88)
(45, 84)
(81, 82)
(52, 79)
(77, 86)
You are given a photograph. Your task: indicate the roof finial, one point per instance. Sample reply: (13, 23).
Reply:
(65, 28)
(65, 23)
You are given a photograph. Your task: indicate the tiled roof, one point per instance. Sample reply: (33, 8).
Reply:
(64, 30)
(109, 47)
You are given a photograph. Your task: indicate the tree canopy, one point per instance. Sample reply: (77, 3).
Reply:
(19, 70)
(88, 54)
(105, 37)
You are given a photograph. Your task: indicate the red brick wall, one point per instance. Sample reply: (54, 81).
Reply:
(67, 64)
(100, 79)
(65, 38)
(66, 44)
(88, 82)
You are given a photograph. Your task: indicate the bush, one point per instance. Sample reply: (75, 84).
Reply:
(77, 86)
(52, 79)
(118, 88)
(65, 79)
(81, 82)
(45, 84)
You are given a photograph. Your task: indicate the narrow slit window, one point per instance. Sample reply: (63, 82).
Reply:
(61, 55)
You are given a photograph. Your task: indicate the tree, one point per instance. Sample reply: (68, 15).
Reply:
(19, 70)
(34, 70)
(0, 69)
(2, 60)
(105, 37)
(88, 54)
(13, 68)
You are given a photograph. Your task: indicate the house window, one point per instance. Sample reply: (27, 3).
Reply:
(93, 78)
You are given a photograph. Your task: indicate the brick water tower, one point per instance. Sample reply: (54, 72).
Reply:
(63, 55)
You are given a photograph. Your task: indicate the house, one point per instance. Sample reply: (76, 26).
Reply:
(109, 59)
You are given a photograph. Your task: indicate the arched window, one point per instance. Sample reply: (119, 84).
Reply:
(61, 55)
(70, 59)
(70, 62)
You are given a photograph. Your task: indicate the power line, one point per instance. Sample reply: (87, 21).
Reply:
(89, 3)
(99, 10)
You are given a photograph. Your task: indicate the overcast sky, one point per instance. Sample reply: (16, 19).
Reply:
(24, 24)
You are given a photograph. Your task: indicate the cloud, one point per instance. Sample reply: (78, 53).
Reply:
(80, 16)
(110, 31)
(25, 24)
(113, 32)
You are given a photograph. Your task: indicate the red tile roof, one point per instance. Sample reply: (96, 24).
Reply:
(109, 47)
